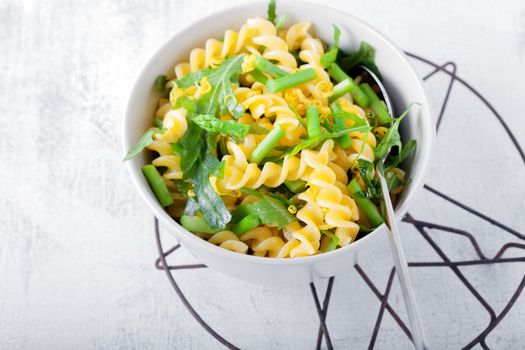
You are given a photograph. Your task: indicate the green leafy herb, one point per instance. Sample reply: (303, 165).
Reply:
(365, 56)
(261, 195)
(331, 56)
(221, 96)
(224, 128)
(313, 142)
(366, 171)
(270, 211)
(210, 203)
(183, 187)
(189, 148)
(193, 78)
(271, 11)
(394, 160)
(142, 143)
(160, 83)
(391, 138)
(334, 241)
(189, 104)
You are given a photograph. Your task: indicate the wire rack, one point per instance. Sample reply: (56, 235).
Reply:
(422, 227)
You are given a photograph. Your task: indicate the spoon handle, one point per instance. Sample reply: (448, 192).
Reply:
(402, 268)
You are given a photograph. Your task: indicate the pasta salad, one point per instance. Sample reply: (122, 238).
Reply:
(264, 143)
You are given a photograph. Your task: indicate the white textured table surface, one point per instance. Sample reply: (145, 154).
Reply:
(77, 243)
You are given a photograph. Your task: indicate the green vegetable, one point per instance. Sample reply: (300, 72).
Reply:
(143, 142)
(271, 11)
(383, 117)
(183, 187)
(160, 83)
(210, 203)
(394, 160)
(262, 195)
(344, 140)
(334, 241)
(267, 144)
(157, 184)
(265, 66)
(222, 92)
(367, 207)
(256, 129)
(298, 116)
(248, 223)
(259, 76)
(312, 121)
(224, 128)
(189, 147)
(391, 138)
(196, 224)
(365, 56)
(358, 121)
(366, 171)
(158, 123)
(357, 94)
(313, 142)
(291, 80)
(270, 211)
(279, 22)
(331, 56)
(221, 97)
(296, 186)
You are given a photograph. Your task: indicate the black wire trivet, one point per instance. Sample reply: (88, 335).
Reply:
(422, 227)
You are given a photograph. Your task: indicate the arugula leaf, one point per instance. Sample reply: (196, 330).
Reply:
(224, 128)
(313, 142)
(298, 116)
(143, 142)
(183, 187)
(391, 138)
(333, 243)
(331, 56)
(160, 83)
(221, 96)
(189, 148)
(189, 104)
(366, 170)
(192, 207)
(270, 211)
(210, 203)
(277, 196)
(394, 160)
(271, 11)
(193, 78)
(365, 56)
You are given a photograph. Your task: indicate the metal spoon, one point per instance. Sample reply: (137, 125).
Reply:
(395, 239)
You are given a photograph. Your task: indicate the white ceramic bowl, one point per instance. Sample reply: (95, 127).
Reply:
(403, 87)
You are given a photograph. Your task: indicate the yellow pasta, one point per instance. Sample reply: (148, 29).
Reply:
(261, 170)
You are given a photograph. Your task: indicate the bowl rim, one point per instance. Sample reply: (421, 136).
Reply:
(162, 215)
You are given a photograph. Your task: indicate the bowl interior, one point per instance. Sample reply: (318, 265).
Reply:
(400, 81)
